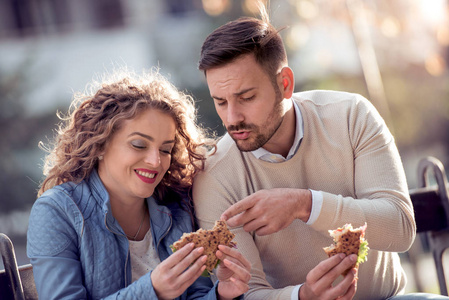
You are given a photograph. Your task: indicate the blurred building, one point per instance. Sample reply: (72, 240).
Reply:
(61, 44)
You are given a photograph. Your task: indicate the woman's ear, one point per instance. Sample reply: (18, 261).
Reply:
(287, 79)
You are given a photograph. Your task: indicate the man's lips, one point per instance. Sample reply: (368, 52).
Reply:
(240, 135)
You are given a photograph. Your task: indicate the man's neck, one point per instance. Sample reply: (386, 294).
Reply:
(283, 139)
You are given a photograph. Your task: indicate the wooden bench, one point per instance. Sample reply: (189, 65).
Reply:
(15, 282)
(431, 206)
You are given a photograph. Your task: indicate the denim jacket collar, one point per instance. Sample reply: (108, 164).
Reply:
(160, 215)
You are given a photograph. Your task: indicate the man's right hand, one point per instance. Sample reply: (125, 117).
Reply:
(269, 211)
(319, 281)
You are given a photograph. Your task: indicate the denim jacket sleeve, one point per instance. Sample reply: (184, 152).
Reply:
(52, 248)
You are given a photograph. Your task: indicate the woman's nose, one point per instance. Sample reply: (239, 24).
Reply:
(153, 158)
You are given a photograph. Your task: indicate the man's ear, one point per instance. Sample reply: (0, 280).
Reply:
(287, 82)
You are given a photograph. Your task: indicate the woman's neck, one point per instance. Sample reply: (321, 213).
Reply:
(134, 219)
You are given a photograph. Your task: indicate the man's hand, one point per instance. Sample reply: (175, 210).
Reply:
(268, 211)
(319, 281)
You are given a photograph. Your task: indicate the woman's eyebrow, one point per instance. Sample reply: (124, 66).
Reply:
(148, 137)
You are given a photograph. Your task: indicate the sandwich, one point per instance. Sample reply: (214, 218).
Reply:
(348, 240)
(209, 240)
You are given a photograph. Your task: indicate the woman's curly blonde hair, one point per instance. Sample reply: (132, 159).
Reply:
(95, 116)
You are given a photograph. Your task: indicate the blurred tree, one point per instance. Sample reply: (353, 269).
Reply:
(19, 133)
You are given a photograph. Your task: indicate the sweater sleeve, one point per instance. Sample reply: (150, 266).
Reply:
(380, 189)
(53, 252)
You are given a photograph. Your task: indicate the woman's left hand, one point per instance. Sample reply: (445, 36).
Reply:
(233, 273)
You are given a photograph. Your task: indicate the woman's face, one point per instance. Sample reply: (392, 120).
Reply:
(137, 156)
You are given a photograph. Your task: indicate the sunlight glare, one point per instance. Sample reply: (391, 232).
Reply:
(435, 65)
(433, 11)
(251, 6)
(390, 27)
(307, 9)
(215, 7)
(297, 36)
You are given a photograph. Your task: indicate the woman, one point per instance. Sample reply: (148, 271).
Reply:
(115, 198)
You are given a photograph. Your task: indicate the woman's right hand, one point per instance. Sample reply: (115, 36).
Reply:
(170, 278)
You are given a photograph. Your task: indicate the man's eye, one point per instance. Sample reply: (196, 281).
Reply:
(248, 98)
(219, 102)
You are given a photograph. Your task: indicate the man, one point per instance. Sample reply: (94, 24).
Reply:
(292, 167)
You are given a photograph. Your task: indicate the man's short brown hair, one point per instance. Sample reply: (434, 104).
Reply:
(243, 36)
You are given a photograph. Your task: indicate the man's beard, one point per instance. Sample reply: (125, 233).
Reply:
(261, 138)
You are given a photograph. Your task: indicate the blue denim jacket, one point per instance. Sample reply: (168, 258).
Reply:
(79, 251)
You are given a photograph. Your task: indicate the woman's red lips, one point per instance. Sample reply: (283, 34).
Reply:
(146, 176)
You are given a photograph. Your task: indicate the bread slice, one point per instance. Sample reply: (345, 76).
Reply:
(349, 241)
(209, 239)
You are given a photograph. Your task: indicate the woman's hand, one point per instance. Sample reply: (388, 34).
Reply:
(175, 274)
(233, 273)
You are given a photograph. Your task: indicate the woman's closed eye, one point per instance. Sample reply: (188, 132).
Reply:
(166, 151)
(139, 144)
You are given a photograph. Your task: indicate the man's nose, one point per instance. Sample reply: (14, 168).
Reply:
(234, 114)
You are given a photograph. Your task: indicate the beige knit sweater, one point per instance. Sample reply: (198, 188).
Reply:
(349, 154)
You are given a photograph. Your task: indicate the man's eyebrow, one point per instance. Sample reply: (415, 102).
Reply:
(148, 137)
(235, 94)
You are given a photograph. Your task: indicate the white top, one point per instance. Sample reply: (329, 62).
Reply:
(144, 257)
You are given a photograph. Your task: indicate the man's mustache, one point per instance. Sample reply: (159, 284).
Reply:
(240, 126)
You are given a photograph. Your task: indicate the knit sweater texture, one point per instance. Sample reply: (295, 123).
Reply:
(349, 154)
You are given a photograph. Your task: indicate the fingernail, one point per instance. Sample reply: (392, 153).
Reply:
(353, 257)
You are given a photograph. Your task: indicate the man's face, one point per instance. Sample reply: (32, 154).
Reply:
(247, 102)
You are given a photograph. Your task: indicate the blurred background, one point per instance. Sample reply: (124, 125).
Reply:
(395, 53)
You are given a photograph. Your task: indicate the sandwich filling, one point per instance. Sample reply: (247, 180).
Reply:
(348, 240)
